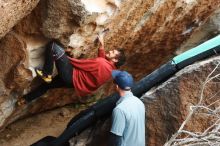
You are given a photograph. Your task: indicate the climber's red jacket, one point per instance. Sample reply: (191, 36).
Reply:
(90, 74)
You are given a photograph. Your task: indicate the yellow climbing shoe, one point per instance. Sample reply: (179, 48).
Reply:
(46, 78)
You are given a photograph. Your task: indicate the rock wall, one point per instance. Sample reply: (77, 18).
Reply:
(157, 29)
(206, 31)
(12, 11)
(14, 73)
(150, 31)
(168, 104)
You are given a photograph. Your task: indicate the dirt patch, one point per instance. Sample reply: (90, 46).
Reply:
(29, 130)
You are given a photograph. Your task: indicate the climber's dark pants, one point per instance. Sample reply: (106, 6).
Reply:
(54, 53)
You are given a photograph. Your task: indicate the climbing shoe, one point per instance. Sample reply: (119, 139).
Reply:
(46, 78)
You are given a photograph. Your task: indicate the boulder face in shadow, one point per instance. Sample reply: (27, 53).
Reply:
(14, 73)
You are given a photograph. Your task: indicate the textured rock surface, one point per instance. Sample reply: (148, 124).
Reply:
(19, 134)
(11, 11)
(150, 32)
(167, 106)
(156, 29)
(14, 76)
(206, 31)
(61, 17)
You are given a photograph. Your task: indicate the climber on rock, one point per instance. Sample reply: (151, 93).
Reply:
(84, 75)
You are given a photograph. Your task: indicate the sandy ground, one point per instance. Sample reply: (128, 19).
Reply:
(29, 130)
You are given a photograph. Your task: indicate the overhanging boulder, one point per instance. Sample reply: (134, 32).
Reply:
(12, 11)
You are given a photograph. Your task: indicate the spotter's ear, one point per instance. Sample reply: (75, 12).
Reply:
(116, 86)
